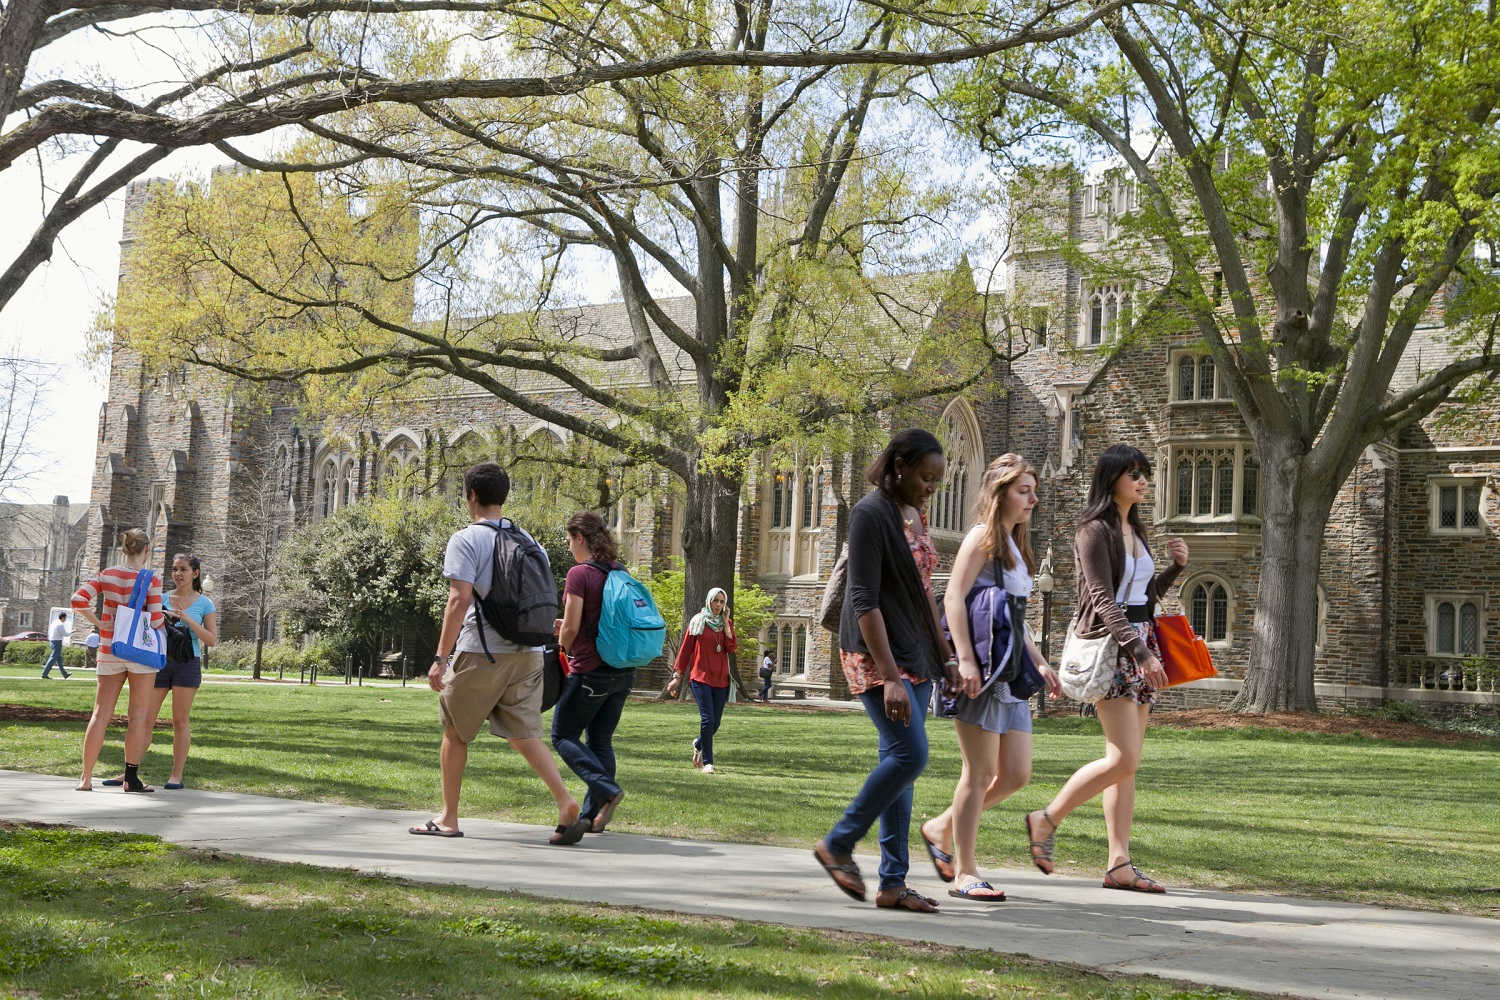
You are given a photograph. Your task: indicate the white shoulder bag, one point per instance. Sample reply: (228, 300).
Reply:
(1087, 668)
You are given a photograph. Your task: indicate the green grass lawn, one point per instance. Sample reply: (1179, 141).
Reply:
(1328, 816)
(94, 914)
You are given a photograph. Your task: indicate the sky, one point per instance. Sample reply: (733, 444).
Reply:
(50, 318)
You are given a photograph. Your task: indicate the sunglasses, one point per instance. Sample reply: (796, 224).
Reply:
(1139, 474)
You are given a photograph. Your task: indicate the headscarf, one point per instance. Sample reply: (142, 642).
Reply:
(706, 617)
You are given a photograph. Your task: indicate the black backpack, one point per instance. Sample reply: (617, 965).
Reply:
(179, 641)
(522, 602)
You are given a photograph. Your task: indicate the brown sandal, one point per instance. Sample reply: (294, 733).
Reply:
(846, 876)
(1045, 847)
(906, 899)
(1139, 882)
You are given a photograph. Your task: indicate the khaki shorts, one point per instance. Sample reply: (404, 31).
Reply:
(508, 692)
(111, 664)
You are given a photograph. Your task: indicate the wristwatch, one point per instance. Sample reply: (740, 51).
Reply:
(444, 660)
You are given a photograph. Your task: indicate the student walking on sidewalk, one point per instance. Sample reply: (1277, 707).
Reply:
(891, 650)
(114, 586)
(1118, 589)
(55, 635)
(992, 724)
(705, 650)
(594, 695)
(478, 674)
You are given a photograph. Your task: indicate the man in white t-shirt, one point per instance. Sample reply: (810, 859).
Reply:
(91, 650)
(55, 635)
(503, 687)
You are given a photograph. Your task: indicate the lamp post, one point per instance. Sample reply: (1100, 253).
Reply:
(1045, 583)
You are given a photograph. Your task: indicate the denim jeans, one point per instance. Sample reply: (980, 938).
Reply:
(710, 713)
(887, 792)
(591, 704)
(765, 686)
(55, 657)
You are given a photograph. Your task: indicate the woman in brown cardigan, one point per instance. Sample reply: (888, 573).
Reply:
(1118, 589)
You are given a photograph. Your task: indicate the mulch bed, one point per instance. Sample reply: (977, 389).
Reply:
(1306, 722)
(36, 713)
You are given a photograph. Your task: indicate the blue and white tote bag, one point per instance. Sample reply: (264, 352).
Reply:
(134, 638)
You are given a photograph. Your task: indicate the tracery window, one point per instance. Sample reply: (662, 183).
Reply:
(1195, 378)
(1208, 611)
(1107, 315)
(1455, 625)
(1206, 480)
(328, 490)
(949, 509)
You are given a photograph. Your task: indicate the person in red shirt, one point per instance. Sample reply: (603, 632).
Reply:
(705, 650)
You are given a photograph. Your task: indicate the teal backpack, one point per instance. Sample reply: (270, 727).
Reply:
(631, 630)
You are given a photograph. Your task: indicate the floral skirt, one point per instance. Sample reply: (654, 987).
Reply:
(1130, 678)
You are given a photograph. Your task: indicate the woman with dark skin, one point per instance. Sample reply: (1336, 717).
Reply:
(892, 650)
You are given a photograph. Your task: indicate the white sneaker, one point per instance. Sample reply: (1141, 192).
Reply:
(708, 769)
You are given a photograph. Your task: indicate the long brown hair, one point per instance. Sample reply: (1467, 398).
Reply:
(592, 529)
(999, 476)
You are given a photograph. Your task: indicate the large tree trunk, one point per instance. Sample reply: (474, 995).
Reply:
(1295, 512)
(710, 544)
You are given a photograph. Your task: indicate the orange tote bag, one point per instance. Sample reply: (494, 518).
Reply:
(1184, 656)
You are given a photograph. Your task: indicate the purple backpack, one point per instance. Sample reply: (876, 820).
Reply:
(994, 639)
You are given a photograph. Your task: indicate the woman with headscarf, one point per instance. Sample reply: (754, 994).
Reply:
(706, 645)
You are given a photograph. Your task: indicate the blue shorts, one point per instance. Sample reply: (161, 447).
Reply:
(181, 675)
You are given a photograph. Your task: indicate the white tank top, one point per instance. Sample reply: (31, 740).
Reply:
(1138, 574)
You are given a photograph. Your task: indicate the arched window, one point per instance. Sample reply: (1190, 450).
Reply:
(1206, 379)
(283, 471)
(350, 488)
(811, 497)
(948, 510)
(782, 487)
(1208, 611)
(1096, 320)
(799, 649)
(1184, 487)
(1250, 488)
(1224, 498)
(1205, 487)
(1446, 641)
(328, 478)
(1187, 377)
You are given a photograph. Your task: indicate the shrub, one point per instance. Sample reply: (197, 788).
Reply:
(232, 654)
(36, 653)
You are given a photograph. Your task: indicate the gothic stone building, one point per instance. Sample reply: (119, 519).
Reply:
(41, 555)
(1410, 568)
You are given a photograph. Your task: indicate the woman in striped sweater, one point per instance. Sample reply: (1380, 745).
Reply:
(114, 585)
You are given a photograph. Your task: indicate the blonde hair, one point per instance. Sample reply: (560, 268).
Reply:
(134, 541)
(999, 476)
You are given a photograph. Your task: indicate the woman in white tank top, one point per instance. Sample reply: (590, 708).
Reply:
(993, 726)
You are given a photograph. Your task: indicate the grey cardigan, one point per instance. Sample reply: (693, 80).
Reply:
(1099, 554)
(882, 575)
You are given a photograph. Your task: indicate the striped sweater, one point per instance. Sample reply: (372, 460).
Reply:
(115, 584)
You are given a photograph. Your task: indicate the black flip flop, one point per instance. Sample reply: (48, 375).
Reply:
(112, 782)
(570, 833)
(939, 857)
(433, 830)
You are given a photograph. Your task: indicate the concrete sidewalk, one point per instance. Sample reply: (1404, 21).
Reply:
(1304, 947)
